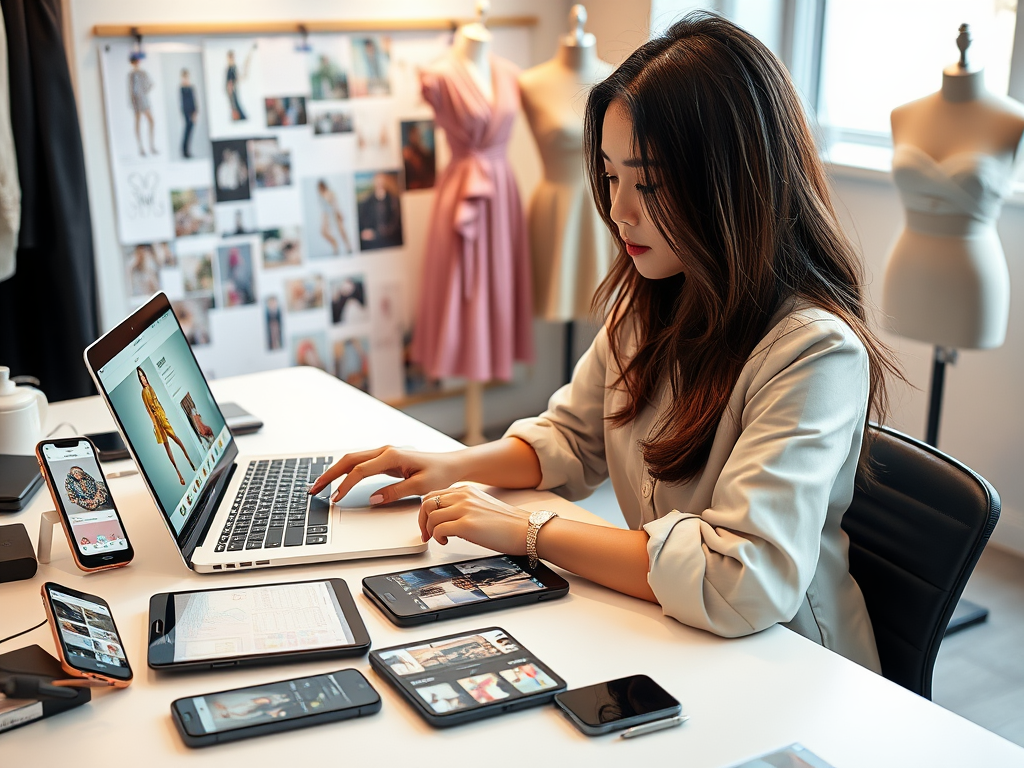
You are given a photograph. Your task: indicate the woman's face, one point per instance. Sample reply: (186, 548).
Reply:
(651, 253)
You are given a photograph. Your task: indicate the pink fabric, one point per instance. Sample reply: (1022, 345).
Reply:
(475, 310)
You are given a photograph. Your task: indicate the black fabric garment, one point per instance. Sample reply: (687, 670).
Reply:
(48, 309)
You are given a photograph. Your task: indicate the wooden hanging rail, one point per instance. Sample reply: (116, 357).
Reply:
(299, 27)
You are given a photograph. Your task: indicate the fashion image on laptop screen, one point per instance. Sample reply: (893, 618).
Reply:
(168, 414)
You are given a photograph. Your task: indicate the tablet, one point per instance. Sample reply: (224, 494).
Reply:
(446, 591)
(254, 624)
(467, 676)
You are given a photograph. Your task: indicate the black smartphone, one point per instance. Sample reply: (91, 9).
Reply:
(281, 706)
(617, 704)
(86, 637)
(460, 589)
(254, 624)
(84, 502)
(467, 676)
(239, 420)
(109, 446)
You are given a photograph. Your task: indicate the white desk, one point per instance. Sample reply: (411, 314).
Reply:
(746, 696)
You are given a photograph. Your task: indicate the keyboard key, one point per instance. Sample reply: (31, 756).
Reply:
(293, 536)
(234, 546)
(316, 529)
(316, 539)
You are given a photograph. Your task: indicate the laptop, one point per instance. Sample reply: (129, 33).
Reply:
(224, 510)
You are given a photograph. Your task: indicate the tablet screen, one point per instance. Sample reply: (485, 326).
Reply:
(258, 620)
(462, 672)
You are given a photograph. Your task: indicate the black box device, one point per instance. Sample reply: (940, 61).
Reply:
(17, 558)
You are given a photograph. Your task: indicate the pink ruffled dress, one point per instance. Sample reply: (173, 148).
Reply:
(475, 311)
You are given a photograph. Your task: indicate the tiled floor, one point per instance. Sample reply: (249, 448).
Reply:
(979, 673)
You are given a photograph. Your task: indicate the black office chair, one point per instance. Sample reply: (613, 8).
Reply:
(916, 532)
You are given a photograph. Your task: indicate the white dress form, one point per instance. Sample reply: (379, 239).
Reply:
(946, 281)
(569, 243)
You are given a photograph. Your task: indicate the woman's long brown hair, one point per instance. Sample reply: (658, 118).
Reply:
(741, 195)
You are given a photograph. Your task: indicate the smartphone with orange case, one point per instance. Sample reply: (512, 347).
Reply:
(87, 640)
(83, 500)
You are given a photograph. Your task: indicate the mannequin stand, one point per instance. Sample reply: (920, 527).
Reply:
(570, 362)
(47, 521)
(474, 414)
(966, 613)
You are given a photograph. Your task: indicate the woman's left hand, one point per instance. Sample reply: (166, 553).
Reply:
(468, 513)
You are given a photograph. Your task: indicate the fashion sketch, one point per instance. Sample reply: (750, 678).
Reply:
(331, 218)
(139, 86)
(232, 78)
(162, 429)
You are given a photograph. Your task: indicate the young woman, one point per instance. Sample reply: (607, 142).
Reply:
(162, 429)
(727, 394)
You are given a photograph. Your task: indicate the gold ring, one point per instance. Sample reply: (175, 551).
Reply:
(437, 502)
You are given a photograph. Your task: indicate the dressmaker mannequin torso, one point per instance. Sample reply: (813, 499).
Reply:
(569, 243)
(946, 281)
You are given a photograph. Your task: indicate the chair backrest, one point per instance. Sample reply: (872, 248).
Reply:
(917, 529)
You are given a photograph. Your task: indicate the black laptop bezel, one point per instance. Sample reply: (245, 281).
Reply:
(101, 352)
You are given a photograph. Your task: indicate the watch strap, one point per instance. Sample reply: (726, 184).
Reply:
(537, 519)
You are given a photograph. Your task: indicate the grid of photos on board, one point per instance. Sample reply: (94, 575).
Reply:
(259, 182)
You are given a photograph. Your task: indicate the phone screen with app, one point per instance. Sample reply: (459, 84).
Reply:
(81, 490)
(88, 636)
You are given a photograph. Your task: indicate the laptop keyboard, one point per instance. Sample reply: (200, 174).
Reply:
(273, 509)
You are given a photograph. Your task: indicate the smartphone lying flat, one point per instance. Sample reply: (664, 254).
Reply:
(109, 446)
(467, 676)
(272, 707)
(86, 637)
(468, 587)
(617, 704)
(239, 420)
(254, 624)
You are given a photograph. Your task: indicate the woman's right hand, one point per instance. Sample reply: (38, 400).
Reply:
(421, 472)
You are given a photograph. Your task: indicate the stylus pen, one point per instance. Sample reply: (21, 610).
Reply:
(122, 473)
(657, 725)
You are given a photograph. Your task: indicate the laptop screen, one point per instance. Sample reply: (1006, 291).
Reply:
(168, 414)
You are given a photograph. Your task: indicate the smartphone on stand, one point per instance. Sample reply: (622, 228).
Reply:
(617, 704)
(86, 636)
(85, 504)
(272, 707)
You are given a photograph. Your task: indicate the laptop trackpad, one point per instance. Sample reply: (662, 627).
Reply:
(359, 496)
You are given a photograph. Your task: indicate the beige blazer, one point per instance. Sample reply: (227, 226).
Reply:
(754, 539)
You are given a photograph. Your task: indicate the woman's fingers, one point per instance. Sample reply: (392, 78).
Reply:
(377, 465)
(343, 466)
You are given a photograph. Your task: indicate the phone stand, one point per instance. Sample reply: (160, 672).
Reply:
(49, 519)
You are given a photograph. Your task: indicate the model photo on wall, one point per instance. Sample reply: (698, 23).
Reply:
(380, 214)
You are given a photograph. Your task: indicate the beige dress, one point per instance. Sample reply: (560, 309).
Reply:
(754, 539)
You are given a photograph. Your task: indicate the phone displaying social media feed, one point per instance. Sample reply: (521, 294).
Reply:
(467, 676)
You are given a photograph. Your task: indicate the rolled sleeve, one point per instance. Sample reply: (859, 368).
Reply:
(746, 562)
(569, 436)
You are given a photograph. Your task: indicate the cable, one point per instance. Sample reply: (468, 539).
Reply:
(23, 632)
(62, 424)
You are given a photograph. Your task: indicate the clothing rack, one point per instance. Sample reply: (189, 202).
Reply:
(304, 27)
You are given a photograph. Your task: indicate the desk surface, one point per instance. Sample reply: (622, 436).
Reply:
(746, 696)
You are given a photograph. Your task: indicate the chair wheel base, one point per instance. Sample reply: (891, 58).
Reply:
(965, 615)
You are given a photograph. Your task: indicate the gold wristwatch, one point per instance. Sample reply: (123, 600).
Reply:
(537, 519)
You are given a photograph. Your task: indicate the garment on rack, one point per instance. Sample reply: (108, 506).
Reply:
(475, 311)
(10, 189)
(48, 309)
(570, 244)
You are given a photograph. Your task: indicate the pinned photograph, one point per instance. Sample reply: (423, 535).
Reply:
(441, 698)
(231, 69)
(143, 263)
(185, 106)
(310, 349)
(237, 287)
(304, 293)
(192, 214)
(377, 137)
(272, 164)
(348, 300)
(139, 86)
(231, 170)
(235, 218)
(285, 111)
(135, 104)
(528, 678)
(352, 362)
(380, 214)
(194, 316)
(197, 273)
(275, 323)
(328, 78)
(331, 120)
(418, 154)
(281, 247)
(371, 66)
(328, 204)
